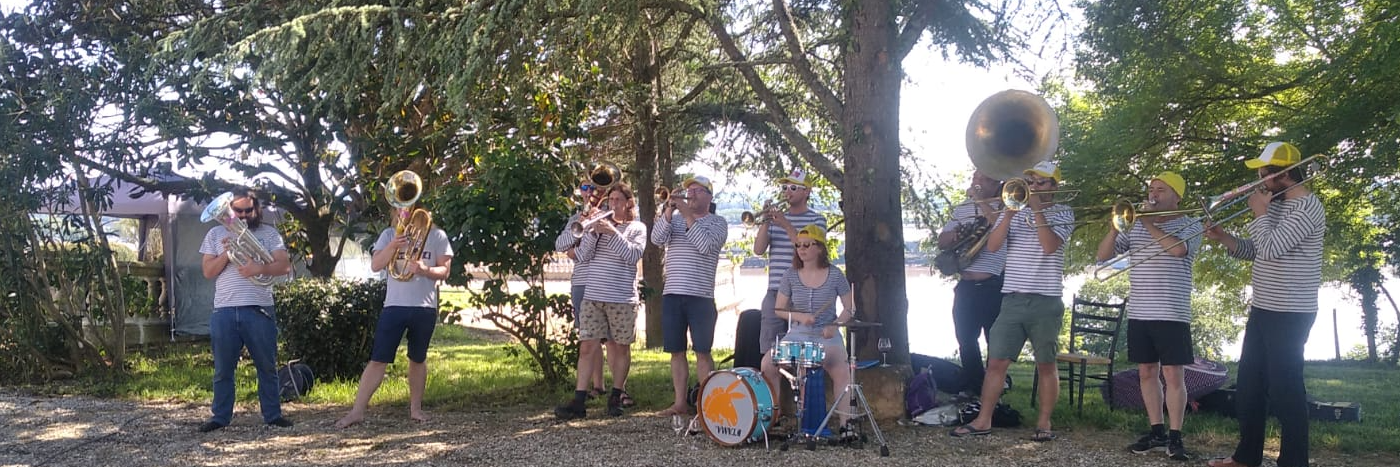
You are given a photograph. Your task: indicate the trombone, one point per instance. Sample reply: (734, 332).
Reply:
(1016, 194)
(750, 219)
(1210, 207)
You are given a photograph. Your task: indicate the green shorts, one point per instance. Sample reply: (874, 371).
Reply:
(1026, 316)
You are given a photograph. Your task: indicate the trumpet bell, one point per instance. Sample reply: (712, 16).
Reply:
(1123, 215)
(1010, 132)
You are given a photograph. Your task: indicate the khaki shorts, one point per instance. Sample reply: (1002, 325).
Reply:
(616, 322)
(1033, 317)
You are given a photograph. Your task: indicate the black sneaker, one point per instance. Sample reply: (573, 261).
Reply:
(1176, 450)
(280, 422)
(210, 426)
(1147, 443)
(615, 405)
(570, 411)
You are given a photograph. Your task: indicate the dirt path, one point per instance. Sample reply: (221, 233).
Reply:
(87, 432)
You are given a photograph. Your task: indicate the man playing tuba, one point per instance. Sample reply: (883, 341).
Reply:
(977, 296)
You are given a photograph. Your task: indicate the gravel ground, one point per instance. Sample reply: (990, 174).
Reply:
(87, 432)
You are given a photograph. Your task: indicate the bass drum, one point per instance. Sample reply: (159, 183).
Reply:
(735, 406)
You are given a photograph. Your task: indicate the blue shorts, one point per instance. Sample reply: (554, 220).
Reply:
(682, 312)
(394, 321)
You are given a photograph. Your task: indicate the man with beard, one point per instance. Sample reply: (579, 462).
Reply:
(243, 313)
(977, 296)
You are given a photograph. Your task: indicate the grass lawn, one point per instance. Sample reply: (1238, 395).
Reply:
(471, 370)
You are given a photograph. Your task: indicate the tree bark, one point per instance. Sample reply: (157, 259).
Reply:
(871, 192)
(645, 142)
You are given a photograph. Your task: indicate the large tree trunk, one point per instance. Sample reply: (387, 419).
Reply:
(871, 192)
(644, 145)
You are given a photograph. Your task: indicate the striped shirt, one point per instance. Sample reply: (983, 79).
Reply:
(1029, 269)
(1286, 247)
(1160, 287)
(780, 249)
(566, 241)
(419, 291)
(990, 262)
(804, 298)
(692, 253)
(230, 288)
(612, 272)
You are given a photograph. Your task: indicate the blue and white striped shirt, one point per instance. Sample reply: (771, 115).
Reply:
(780, 249)
(1160, 288)
(1286, 247)
(692, 253)
(1028, 268)
(612, 269)
(230, 288)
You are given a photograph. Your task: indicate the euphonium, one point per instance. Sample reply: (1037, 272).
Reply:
(972, 236)
(403, 190)
(243, 247)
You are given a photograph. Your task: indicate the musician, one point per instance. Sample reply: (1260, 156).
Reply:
(977, 296)
(1031, 307)
(775, 239)
(243, 313)
(612, 247)
(811, 288)
(410, 307)
(692, 238)
(1159, 307)
(566, 242)
(1285, 243)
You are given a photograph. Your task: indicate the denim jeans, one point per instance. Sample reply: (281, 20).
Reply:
(230, 330)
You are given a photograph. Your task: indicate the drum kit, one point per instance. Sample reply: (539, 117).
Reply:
(736, 407)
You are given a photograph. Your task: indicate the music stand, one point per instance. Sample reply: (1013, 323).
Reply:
(853, 392)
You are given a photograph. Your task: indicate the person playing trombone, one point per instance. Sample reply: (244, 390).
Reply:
(692, 238)
(1285, 243)
(775, 238)
(1031, 307)
(1161, 248)
(977, 296)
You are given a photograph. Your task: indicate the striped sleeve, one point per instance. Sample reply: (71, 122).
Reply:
(1286, 245)
(1160, 284)
(692, 255)
(780, 249)
(1031, 270)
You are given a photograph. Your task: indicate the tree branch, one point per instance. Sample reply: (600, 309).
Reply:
(832, 105)
(914, 28)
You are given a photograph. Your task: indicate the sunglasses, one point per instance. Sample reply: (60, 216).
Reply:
(793, 187)
(585, 187)
(243, 210)
(804, 245)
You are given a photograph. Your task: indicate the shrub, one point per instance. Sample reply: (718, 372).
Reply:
(329, 323)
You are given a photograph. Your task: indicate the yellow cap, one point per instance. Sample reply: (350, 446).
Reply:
(1276, 154)
(813, 232)
(796, 177)
(1045, 169)
(1173, 180)
(699, 180)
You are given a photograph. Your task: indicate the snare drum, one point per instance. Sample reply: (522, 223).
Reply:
(812, 355)
(735, 406)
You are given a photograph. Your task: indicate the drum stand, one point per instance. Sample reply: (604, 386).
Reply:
(853, 392)
(799, 397)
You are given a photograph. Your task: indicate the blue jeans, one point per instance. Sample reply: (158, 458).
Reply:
(230, 330)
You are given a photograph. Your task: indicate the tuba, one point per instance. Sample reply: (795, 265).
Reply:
(403, 190)
(1010, 132)
(243, 247)
(972, 236)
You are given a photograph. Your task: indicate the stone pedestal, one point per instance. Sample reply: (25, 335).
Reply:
(883, 387)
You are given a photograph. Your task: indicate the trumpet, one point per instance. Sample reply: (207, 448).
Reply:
(664, 195)
(403, 190)
(750, 219)
(243, 247)
(579, 227)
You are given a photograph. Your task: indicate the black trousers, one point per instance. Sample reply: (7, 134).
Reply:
(1271, 380)
(976, 305)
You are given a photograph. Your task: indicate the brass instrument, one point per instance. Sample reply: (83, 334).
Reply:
(1210, 208)
(403, 190)
(664, 194)
(243, 247)
(972, 236)
(1010, 132)
(750, 219)
(604, 175)
(579, 227)
(1016, 194)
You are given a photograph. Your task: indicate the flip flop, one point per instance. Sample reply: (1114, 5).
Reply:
(968, 430)
(1042, 436)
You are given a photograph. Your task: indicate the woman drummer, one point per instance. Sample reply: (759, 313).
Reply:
(807, 299)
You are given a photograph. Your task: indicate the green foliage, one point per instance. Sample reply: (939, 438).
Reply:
(329, 323)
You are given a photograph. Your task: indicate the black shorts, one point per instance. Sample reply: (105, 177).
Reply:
(1165, 342)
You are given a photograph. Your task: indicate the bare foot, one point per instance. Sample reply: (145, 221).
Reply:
(350, 419)
(674, 410)
(418, 415)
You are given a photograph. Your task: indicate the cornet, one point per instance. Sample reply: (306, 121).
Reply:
(403, 190)
(750, 219)
(243, 247)
(664, 194)
(579, 227)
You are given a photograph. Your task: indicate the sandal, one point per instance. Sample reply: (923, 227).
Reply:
(1043, 435)
(627, 401)
(968, 430)
(597, 392)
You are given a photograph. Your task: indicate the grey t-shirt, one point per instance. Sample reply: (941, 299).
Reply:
(418, 291)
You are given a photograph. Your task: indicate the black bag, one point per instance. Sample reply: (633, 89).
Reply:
(296, 380)
(1003, 416)
(746, 337)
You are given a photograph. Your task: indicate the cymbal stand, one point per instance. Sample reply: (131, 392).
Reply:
(853, 391)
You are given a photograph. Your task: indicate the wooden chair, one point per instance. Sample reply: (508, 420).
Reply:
(1093, 342)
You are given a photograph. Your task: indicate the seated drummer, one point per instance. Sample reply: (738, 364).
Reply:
(812, 286)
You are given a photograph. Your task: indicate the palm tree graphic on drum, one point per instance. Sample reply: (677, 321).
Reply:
(718, 405)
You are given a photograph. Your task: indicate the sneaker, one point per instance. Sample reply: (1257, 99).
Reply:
(570, 411)
(1176, 450)
(280, 422)
(615, 406)
(1147, 443)
(210, 426)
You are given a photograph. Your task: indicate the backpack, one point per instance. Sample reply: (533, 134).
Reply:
(1003, 416)
(921, 395)
(295, 379)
